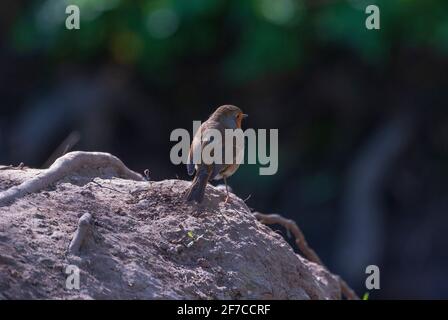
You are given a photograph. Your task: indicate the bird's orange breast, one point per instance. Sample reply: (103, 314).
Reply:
(239, 119)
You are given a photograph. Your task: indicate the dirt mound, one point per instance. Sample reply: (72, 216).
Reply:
(143, 241)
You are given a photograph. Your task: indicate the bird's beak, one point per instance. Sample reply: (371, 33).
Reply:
(245, 116)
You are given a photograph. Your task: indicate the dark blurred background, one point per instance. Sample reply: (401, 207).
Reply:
(362, 114)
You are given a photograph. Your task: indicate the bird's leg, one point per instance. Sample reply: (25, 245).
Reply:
(227, 190)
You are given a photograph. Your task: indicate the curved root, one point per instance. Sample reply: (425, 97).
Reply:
(64, 166)
(309, 253)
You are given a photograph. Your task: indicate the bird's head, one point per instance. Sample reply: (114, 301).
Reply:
(229, 115)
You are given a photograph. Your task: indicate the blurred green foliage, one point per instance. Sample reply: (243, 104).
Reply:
(248, 38)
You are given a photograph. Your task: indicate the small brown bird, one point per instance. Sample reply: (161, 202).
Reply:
(225, 117)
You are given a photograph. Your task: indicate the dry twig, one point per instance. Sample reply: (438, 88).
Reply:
(68, 143)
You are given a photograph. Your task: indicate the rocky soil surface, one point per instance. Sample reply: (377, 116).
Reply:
(145, 242)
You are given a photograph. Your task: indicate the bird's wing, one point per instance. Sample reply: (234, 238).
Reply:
(195, 144)
(200, 140)
(217, 167)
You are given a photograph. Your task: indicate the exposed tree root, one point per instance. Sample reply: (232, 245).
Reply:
(65, 166)
(82, 233)
(309, 253)
(11, 167)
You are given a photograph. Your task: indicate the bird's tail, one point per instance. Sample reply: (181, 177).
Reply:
(197, 189)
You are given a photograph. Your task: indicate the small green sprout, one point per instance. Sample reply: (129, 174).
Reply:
(365, 296)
